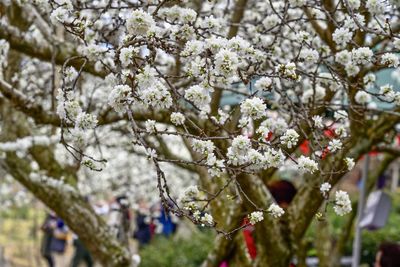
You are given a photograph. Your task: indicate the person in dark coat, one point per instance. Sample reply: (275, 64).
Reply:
(48, 227)
(82, 254)
(143, 221)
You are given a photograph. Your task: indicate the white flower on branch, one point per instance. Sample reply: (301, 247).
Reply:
(207, 219)
(226, 62)
(177, 118)
(290, 138)
(325, 187)
(255, 217)
(139, 22)
(334, 145)
(203, 147)
(349, 163)
(199, 96)
(263, 84)
(341, 36)
(305, 164)
(253, 108)
(118, 96)
(318, 121)
(390, 60)
(275, 211)
(362, 97)
(342, 203)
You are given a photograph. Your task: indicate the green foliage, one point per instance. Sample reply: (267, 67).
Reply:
(172, 252)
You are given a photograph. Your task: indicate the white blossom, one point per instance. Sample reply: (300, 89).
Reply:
(349, 163)
(341, 36)
(362, 97)
(391, 60)
(334, 145)
(318, 121)
(263, 84)
(199, 96)
(203, 147)
(226, 62)
(207, 219)
(118, 96)
(275, 211)
(150, 126)
(177, 118)
(375, 7)
(342, 203)
(139, 22)
(255, 217)
(290, 138)
(305, 164)
(325, 187)
(253, 108)
(362, 55)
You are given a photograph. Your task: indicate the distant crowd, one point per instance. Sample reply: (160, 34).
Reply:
(142, 224)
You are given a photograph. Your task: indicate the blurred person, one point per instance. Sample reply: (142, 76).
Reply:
(388, 255)
(120, 219)
(81, 254)
(167, 221)
(47, 227)
(58, 243)
(143, 221)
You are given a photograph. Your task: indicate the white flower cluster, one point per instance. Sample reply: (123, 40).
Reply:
(226, 63)
(325, 187)
(255, 217)
(287, 70)
(203, 147)
(342, 203)
(139, 22)
(118, 97)
(391, 60)
(362, 97)
(238, 151)
(126, 55)
(318, 122)
(253, 108)
(375, 7)
(263, 84)
(85, 121)
(342, 36)
(334, 145)
(207, 219)
(305, 164)
(290, 138)
(199, 96)
(275, 211)
(349, 163)
(177, 118)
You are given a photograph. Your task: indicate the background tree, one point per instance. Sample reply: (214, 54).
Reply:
(83, 81)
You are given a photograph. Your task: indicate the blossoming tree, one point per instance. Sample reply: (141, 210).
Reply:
(152, 78)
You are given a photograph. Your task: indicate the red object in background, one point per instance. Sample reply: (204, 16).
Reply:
(152, 229)
(324, 153)
(269, 136)
(305, 148)
(251, 247)
(330, 133)
(373, 153)
(248, 238)
(398, 140)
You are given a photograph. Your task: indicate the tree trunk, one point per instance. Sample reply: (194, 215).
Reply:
(76, 212)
